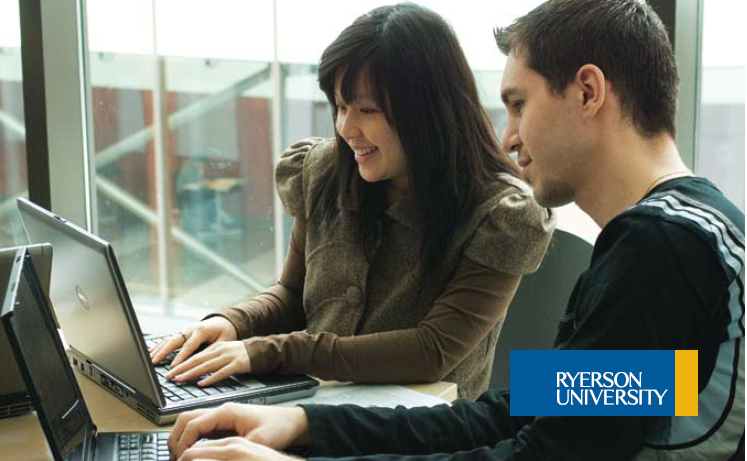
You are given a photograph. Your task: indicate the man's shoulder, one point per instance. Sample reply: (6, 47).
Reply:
(686, 209)
(689, 226)
(692, 201)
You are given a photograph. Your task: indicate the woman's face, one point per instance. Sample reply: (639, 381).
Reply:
(364, 127)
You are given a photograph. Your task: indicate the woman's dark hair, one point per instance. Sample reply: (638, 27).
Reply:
(624, 38)
(420, 79)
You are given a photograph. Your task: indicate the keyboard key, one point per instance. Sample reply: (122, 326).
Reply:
(211, 391)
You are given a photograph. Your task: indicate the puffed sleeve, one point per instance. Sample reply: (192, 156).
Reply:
(299, 166)
(514, 233)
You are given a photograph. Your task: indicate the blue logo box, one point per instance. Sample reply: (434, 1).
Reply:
(592, 383)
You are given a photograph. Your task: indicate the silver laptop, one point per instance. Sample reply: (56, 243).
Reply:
(28, 322)
(105, 340)
(14, 398)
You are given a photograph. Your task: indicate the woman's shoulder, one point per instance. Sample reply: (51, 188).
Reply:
(511, 230)
(299, 170)
(507, 196)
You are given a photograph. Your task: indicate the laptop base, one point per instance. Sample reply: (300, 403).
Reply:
(15, 405)
(277, 389)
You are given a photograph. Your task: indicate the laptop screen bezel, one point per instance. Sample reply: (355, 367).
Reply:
(23, 272)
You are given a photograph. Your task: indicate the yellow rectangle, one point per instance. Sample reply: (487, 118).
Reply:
(686, 383)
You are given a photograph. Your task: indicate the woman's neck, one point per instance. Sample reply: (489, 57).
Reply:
(396, 188)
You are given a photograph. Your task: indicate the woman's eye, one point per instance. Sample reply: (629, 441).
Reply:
(368, 111)
(517, 105)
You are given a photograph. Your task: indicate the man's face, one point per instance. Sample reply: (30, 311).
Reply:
(541, 128)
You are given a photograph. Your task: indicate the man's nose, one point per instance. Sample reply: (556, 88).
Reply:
(510, 141)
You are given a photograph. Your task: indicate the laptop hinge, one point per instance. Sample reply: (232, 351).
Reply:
(89, 453)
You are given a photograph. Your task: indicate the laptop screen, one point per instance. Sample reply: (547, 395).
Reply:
(60, 407)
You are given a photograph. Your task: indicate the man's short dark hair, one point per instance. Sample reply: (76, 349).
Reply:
(624, 38)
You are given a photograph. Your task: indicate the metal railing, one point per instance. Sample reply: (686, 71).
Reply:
(133, 143)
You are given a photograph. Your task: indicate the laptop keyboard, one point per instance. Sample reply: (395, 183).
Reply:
(176, 392)
(143, 447)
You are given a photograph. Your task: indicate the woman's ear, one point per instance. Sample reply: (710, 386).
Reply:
(590, 80)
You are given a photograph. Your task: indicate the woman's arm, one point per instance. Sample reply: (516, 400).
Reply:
(473, 301)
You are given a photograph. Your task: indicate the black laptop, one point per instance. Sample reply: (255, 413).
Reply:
(104, 337)
(62, 412)
(14, 398)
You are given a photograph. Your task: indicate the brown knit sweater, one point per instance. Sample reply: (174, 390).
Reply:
(337, 315)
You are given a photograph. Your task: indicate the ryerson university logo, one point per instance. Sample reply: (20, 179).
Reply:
(617, 389)
(604, 383)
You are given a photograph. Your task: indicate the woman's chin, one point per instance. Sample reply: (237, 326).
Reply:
(368, 176)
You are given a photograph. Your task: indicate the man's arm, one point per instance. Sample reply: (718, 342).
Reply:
(641, 296)
(347, 430)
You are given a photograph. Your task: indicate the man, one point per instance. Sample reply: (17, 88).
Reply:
(591, 89)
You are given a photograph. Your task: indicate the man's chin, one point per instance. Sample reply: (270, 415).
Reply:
(554, 196)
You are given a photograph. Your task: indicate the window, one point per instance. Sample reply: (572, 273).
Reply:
(13, 178)
(183, 149)
(721, 149)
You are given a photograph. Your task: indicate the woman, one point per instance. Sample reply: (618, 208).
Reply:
(411, 230)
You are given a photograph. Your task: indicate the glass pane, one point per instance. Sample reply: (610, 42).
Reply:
(13, 177)
(217, 180)
(721, 135)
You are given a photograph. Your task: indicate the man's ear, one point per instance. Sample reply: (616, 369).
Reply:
(593, 88)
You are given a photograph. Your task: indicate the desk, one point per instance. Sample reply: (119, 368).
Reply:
(22, 438)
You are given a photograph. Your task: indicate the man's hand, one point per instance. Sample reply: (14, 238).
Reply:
(274, 427)
(232, 449)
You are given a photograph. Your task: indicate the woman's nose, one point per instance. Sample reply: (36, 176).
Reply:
(346, 125)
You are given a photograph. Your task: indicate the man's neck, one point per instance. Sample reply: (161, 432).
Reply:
(630, 168)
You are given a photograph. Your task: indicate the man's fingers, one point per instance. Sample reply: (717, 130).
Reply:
(181, 422)
(204, 424)
(203, 451)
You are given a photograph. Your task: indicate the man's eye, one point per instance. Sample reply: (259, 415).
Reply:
(517, 106)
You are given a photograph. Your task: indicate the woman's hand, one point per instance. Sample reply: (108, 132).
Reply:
(273, 427)
(232, 449)
(222, 359)
(212, 330)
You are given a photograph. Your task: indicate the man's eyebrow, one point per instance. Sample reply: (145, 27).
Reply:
(507, 93)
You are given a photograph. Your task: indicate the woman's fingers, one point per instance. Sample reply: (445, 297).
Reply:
(210, 366)
(220, 374)
(191, 363)
(224, 358)
(161, 350)
(193, 342)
